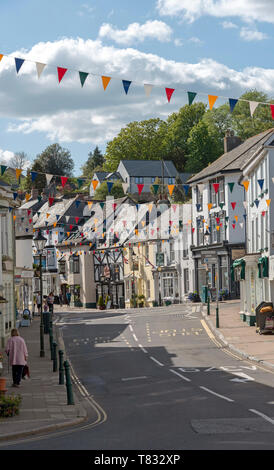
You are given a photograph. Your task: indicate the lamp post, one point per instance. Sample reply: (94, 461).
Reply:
(134, 256)
(207, 238)
(40, 241)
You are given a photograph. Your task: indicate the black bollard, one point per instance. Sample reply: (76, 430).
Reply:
(54, 357)
(51, 343)
(70, 400)
(61, 368)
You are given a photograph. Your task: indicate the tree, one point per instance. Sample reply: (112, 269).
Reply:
(95, 161)
(20, 161)
(203, 147)
(137, 141)
(102, 191)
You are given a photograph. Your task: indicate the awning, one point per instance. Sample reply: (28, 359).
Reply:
(238, 263)
(263, 270)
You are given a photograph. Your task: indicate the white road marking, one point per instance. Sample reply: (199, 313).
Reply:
(143, 349)
(245, 377)
(270, 402)
(134, 378)
(136, 339)
(270, 420)
(217, 394)
(130, 327)
(180, 375)
(155, 360)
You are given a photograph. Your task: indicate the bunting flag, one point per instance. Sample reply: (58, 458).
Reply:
(231, 186)
(94, 184)
(169, 93)
(233, 205)
(140, 188)
(77, 203)
(221, 205)
(260, 183)
(252, 106)
(126, 85)
(232, 103)
(1, 57)
(109, 185)
(257, 202)
(18, 172)
(268, 201)
(272, 110)
(15, 195)
(191, 96)
(125, 187)
(3, 169)
(234, 225)
(216, 187)
(80, 182)
(61, 72)
(51, 200)
(77, 219)
(150, 206)
(246, 184)
(186, 188)
(18, 63)
(263, 213)
(105, 81)
(236, 218)
(198, 207)
(211, 100)
(209, 206)
(27, 197)
(48, 178)
(40, 67)
(33, 175)
(171, 188)
(64, 180)
(83, 76)
(148, 89)
(155, 188)
(90, 204)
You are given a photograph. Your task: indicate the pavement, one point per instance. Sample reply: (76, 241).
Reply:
(44, 402)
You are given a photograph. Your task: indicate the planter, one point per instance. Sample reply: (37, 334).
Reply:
(243, 316)
(250, 320)
(7, 411)
(3, 389)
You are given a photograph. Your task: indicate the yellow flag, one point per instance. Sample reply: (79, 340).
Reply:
(246, 184)
(209, 205)
(171, 188)
(28, 196)
(18, 172)
(217, 227)
(95, 184)
(105, 81)
(268, 201)
(90, 204)
(211, 100)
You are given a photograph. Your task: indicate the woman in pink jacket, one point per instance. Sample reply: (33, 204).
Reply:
(17, 351)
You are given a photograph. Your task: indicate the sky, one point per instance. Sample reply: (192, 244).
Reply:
(217, 47)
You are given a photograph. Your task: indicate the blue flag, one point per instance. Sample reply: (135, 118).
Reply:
(126, 85)
(232, 103)
(18, 63)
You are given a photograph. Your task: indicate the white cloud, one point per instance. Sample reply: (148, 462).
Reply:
(252, 35)
(229, 25)
(136, 32)
(66, 112)
(178, 42)
(196, 40)
(247, 10)
(6, 156)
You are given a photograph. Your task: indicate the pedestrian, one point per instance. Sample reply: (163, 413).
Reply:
(17, 353)
(50, 301)
(61, 299)
(38, 302)
(68, 295)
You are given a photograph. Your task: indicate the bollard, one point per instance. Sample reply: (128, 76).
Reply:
(61, 368)
(217, 317)
(54, 357)
(70, 400)
(208, 305)
(51, 343)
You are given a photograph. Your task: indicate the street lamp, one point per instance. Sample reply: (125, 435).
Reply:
(207, 239)
(40, 241)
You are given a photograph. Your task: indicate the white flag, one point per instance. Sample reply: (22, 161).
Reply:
(40, 67)
(125, 187)
(252, 105)
(48, 178)
(148, 89)
(245, 203)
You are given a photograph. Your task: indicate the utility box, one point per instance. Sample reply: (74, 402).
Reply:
(204, 294)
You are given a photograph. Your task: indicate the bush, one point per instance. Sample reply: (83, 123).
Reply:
(194, 297)
(101, 304)
(9, 405)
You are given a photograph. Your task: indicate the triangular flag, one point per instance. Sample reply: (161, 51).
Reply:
(15, 195)
(18, 172)
(233, 205)
(186, 188)
(76, 220)
(171, 188)
(252, 106)
(126, 85)
(3, 169)
(236, 218)
(77, 203)
(61, 72)
(257, 202)
(211, 100)
(48, 178)
(272, 110)
(80, 182)
(33, 175)
(51, 199)
(27, 196)
(191, 97)
(109, 185)
(216, 187)
(260, 183)
(64, 180)
(18, 63)
(169, 93)
(90, 204)
(148, 89)
(246, 184)
(105, 81)
(231, 186)
(39, 67)
(234, 225)
(83, 77)
(268, 201)
(209, 206)
(221, 205)
(198, 207)
(95, 184)
(1, 57)
(155, 188)
(47, 215)
(263, 213)
(232, 103)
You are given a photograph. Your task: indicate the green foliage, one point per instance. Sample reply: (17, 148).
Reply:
(94, 162)
(203, 147)
(102, 191)
(9, 405)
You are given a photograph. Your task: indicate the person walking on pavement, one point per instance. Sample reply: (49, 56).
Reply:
(50, 301)
(17, 353)
(38, 302)
(61, 299)
(68, 295)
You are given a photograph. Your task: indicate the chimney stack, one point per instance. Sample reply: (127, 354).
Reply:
(231, 141)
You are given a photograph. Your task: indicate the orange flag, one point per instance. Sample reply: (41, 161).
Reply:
(105, 81)
(1, 57)
(246, 184)
(211, 100)
(94, 184)
(268, 201)
(209, 205)
(18, 172)
(171, 188)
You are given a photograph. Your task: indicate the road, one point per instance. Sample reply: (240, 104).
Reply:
(159, 380)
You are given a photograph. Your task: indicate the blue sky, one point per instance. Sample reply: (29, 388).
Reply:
(208, 46)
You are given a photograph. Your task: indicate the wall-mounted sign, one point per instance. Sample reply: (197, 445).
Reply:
(160, 259)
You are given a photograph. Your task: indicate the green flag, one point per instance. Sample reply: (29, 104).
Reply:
(191, 96)
(83, 76)
(3, 169)
(155, 188)
(231, 186)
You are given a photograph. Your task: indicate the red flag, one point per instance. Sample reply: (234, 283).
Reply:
(64, 180)
(216, 187)
(51, 199)
(29, 212)
(76, 219)
(70, 227)
(233, 204)
(193, 229)
(114, 206)
(61, 73)
(272, 110)
(140, 188)
(233, 225)
(218, 220)
(169, 93)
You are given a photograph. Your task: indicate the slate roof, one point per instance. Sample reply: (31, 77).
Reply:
(149, 168)
(101, 175)
(234, 160)
(185, 176)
